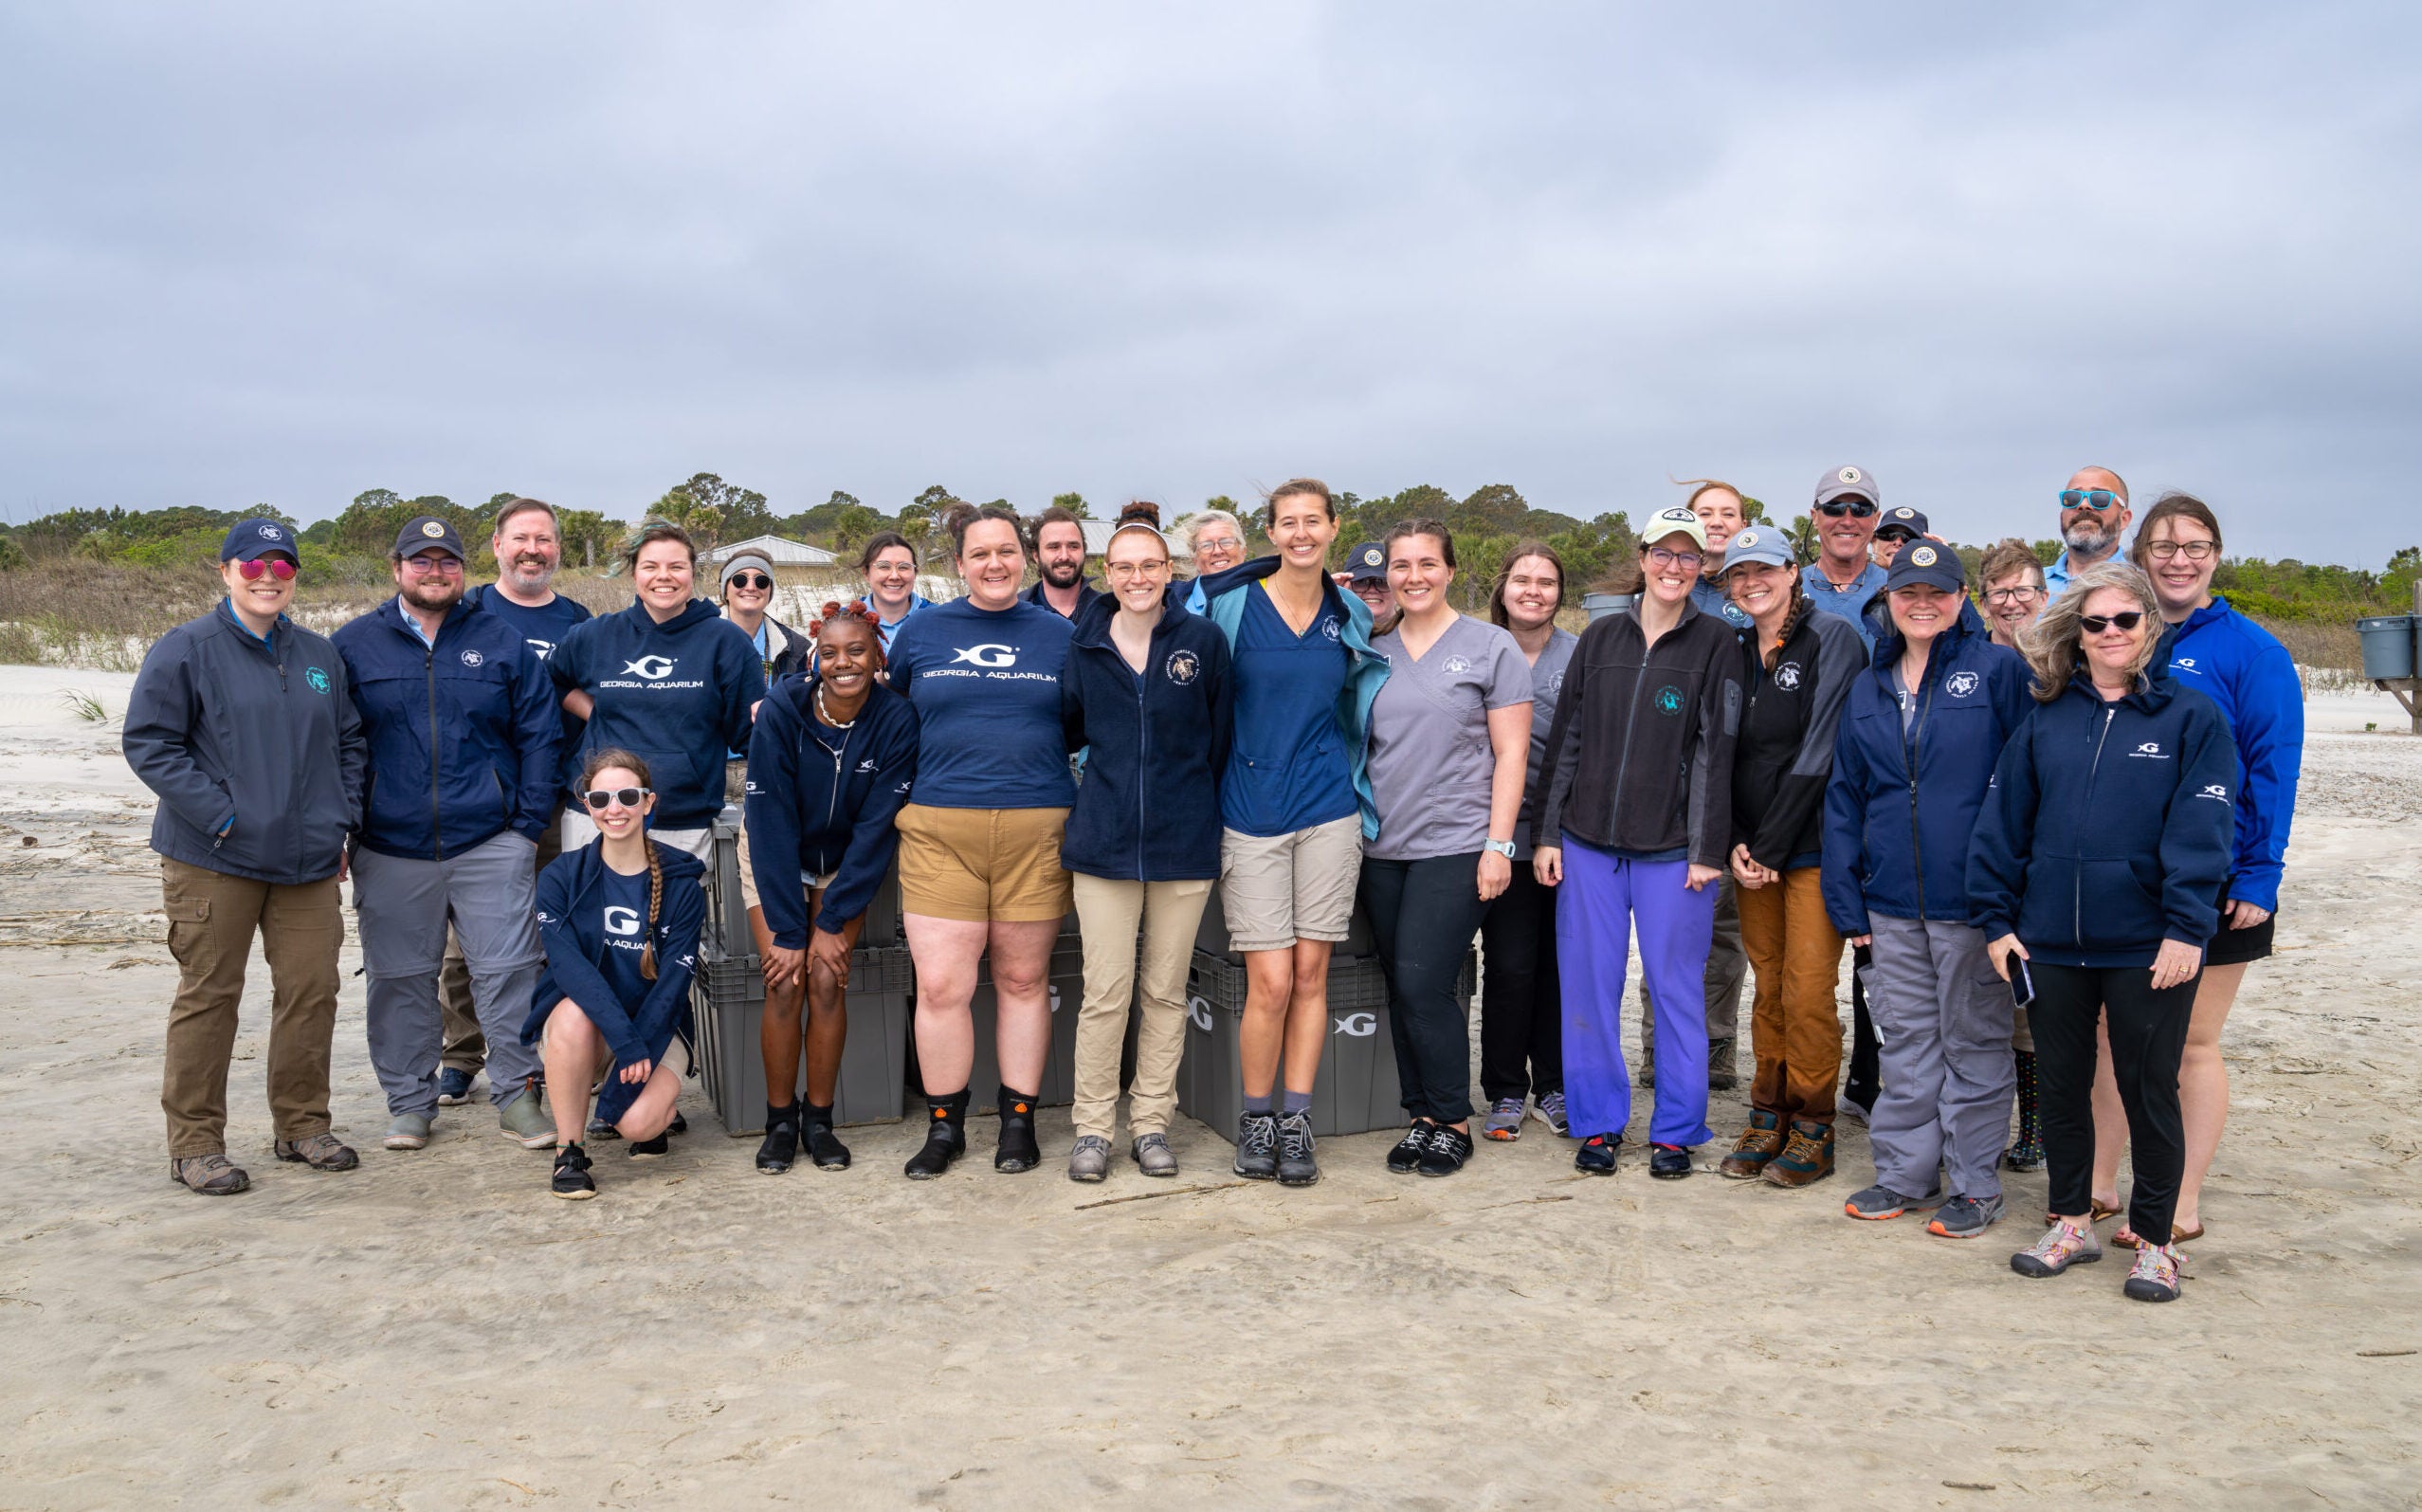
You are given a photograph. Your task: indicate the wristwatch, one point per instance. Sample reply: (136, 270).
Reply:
(1504, 848)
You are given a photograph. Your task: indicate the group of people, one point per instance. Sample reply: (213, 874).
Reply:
(2051, 832)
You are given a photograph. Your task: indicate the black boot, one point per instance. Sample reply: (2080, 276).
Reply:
(1018, 1150)
(2027, 1154)
(781, 1146)
(945, 1136)
(826, 1152)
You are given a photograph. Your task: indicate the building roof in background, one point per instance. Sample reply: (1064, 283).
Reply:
(781, 552)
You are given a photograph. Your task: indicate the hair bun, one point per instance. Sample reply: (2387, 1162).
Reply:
(1141, 511)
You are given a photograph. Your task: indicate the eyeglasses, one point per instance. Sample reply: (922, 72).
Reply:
(1855, 508)
(1219, 543)
(2194, 551)
(1123, 570)
(1672, 558)
(277, 567)
(2097, 624)
(628, 797)
(431, 566)
(2012, 595)
(756, 580)
(2097, 499)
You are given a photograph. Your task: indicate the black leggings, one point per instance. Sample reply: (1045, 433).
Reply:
(2148, 1032)
(1423, 916)
(1522, 1003)
(1864, 1082)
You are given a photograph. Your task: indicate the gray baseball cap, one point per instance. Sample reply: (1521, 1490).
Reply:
(1843, 483)
(1759, 543)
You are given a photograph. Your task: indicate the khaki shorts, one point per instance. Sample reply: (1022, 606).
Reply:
(1277, 890)
(983, 865)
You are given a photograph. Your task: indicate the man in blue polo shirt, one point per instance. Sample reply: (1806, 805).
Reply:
(2094, 515)
(1842, 580)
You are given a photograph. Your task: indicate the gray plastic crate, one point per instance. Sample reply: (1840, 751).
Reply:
(729, 1000)
(1356, 1089)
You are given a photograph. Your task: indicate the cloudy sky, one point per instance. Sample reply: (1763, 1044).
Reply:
(287, 253)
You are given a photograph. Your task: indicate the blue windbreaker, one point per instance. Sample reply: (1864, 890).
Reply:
(823, 801)
(1899, 809)
(569, 927)
(677, 695)
(2242, 668)
(463, 733)
(2109, 829)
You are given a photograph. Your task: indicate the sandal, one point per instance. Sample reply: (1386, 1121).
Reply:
(2126, 1238)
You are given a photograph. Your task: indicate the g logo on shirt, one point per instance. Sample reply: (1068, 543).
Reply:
(472, 658)
(1669, 699)
(654, 668)
(1182, 667)
(987, 655)
(2185, 663)
(1787, 676)
(621, 921)
(318, 680)
(2150, 748)
(2216, 789)
(1961, 684)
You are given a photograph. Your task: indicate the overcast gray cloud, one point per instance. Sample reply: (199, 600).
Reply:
(289, 253)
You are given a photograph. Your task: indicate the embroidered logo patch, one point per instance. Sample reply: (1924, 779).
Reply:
(1922, 555)
(1459, 664)
(1669, 699)
(1787, 676)
(1182, 667)
(472, 658)
(1959, 684)
(318, 680)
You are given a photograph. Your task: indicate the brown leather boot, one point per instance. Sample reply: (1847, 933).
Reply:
(1808, 1159)
(1759, 1143)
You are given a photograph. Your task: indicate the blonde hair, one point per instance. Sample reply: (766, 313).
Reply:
(2051, 643)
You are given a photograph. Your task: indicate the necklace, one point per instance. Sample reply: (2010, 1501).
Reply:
(827, 719)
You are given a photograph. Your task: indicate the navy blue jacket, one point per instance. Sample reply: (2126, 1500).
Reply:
(568, 926)
(676, 695)
(2111, 826)
(463, 733)
(1899, 809)
(1148, 809)
(2242, 668)
(823, 801)
(253, 748)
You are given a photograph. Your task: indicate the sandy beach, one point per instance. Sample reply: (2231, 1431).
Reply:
(434, 1331)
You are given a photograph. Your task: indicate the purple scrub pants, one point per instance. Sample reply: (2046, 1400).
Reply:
(1601, 896)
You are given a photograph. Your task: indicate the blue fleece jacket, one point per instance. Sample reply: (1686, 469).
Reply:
(1899, 808)
(2109, 827)
(2242, 668)
(462, 731)
(1154, 744)
(821, 802)
(1366, 669)
(572, 926)
(676, 695)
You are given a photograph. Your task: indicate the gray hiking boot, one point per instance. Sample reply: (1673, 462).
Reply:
(1298, 1166)
(322, 1152)
(1152, 1154)
(1090, 1160)
(1257, 1147)
(1504, 1119)
(409, 1130)
(1966, 1217)
(523, 1121)
(212, 1176)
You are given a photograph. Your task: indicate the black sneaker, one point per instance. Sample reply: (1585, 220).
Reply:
(678, 1125)
(1597, 1155)
(1297, 1166)
(655, 1149)
(1448, 1149)
(945, 1139)
(572, 1180)
(1668, 1162)
(781, 1146)
(1018, 1150)
(1404, 1157)
(828, 1152)
(1257, 1147)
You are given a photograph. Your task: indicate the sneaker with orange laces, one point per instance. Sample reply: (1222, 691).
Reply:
(2063, 1245)
(2155, 1275)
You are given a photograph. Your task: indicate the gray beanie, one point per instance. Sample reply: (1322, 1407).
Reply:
(742, 561)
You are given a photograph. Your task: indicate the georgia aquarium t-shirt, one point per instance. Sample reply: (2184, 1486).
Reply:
(985, 683)
(1288, 766)
(622, 904)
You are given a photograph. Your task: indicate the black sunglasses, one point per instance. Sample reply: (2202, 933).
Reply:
(628, 797)
(751, 580)
(2097, 624)
(1856, 509)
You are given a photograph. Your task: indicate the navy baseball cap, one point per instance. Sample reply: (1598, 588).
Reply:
(1901, 523)
(1367, 563)
(422, 532)
(1927, 562)
(1846, 482)
(250, 538)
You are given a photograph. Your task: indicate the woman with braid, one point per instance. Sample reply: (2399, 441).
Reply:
(621, 934)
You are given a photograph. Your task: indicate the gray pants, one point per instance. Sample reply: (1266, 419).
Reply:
(1728, 969)
(1944, 1019)
(487, 894)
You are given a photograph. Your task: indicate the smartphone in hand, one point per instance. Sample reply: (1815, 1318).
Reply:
(2022, 984)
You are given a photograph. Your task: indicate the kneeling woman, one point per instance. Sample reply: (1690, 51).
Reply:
(830, 765)
(620, 919)
(2121, 783)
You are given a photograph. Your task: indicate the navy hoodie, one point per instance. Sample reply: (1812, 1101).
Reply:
(1899, 808)
(573, 929)
(2111, 826)
(1155, 745)
(821, 802)
(676, 695)
(462, 732)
